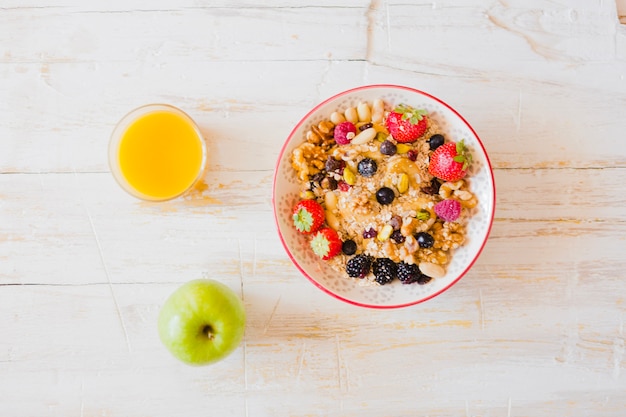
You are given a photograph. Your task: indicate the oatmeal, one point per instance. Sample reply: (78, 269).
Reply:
(392, 186)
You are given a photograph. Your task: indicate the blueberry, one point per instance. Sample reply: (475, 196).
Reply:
(365, 126)
(425, 240)
(385, 195)
(388, 148)
(349, 247)
(367, 167)
(435, 141)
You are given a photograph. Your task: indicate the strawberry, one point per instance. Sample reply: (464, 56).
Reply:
(406, 124)
(450, 161)
(308, 216)
(326, 243)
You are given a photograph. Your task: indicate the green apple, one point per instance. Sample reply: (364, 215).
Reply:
(202, 322)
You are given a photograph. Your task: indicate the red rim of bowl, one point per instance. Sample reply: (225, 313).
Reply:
(295, 262)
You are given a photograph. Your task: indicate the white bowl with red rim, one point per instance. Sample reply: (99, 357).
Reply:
(286, 193)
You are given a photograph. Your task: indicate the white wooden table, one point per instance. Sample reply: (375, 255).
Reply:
(535, 329)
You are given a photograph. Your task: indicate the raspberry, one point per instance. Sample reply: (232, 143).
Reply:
(359, 266)
(408, 273)
(384, 270)
(448, 210)
(342, 133)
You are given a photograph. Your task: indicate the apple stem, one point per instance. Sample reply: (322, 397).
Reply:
(208, 331)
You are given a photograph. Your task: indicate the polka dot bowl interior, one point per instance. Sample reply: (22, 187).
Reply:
(286, 193)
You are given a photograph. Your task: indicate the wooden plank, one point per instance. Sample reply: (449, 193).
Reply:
(64, 125)
(191, 33)
(302, 343)
(230, 225)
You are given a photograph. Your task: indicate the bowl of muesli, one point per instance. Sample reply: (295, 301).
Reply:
(383, 196)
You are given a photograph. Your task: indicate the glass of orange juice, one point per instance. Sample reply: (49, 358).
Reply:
(157, 152)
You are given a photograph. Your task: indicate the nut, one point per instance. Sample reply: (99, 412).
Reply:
(364, 137)
(385, 232)
(349, 176)
(432, 270)
(326, 126)
(337, 118)
(403, 183)
(351, 115)
(402, 148)
(364, 113)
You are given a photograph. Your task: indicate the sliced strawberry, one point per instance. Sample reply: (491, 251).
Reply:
(406, 124)
(326, 243)
(308, 216)
(450, 161)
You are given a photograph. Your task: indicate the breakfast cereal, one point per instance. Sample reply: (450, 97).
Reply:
(392, 186)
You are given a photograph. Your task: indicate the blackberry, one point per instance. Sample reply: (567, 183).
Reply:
(409, 273)
(367, 167)
(397, 237)
(385, 270)
(388, 148)
(385, 195)
(349, 247)
(359, 266)
(425, 240)
(435, 141)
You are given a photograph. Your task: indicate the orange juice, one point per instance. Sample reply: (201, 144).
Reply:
(157, 152)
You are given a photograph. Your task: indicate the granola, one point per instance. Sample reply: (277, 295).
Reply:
(377, 187)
